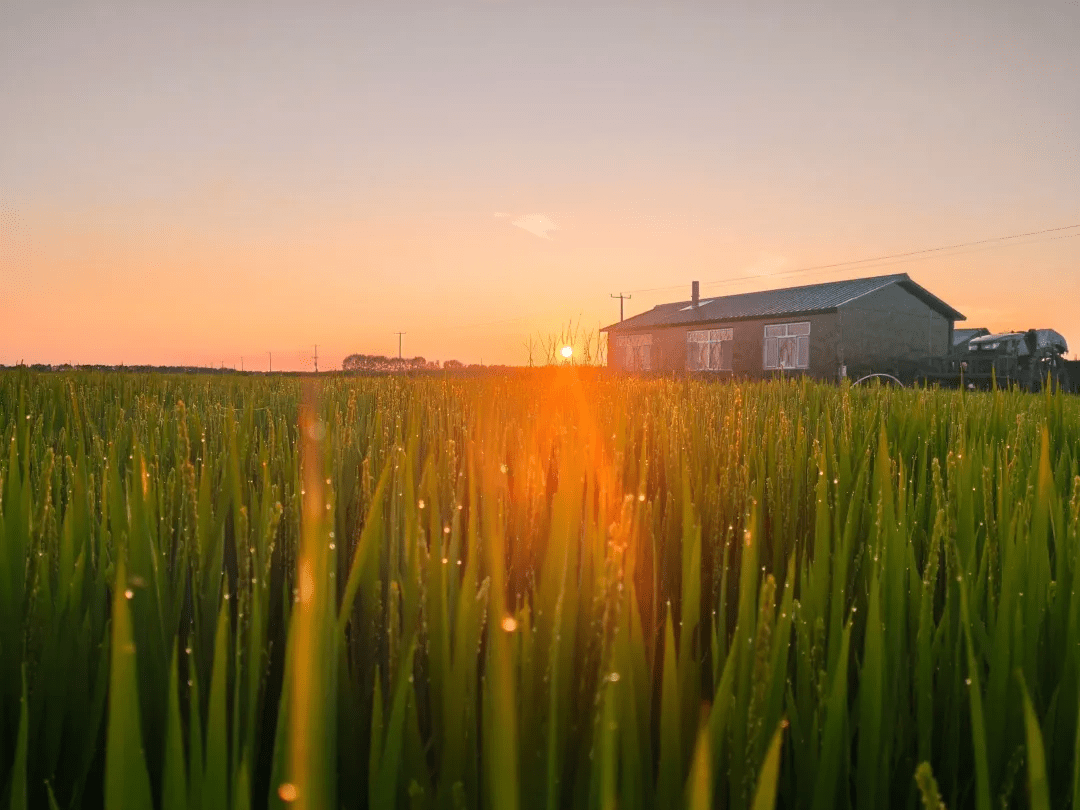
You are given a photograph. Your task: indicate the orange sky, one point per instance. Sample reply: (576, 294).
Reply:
(203, 186)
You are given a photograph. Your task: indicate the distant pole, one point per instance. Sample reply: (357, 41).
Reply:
(399, 334)
(271, 362)
(316, 358)
(621, 297)
(241, 365)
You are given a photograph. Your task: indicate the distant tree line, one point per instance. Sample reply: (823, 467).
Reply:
(378, 362)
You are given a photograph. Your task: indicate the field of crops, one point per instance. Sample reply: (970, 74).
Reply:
(536, 591)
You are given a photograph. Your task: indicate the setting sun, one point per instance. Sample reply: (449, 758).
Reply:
(566, 352)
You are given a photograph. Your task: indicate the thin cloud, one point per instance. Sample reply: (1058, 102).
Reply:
(536, 224)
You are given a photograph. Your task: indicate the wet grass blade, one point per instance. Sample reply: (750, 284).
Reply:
(174, 784)
(1038, 788)
(974, 690)
(127, 781)
(215, 782)
(769, 775)
(17, 787)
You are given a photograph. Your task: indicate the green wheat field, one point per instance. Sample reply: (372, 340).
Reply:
(555, 589)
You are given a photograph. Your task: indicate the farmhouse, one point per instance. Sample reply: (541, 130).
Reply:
(827, 331)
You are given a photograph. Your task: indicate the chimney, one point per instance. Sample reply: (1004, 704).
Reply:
(694, 295)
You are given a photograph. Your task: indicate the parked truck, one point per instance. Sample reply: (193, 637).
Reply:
(1029, 360)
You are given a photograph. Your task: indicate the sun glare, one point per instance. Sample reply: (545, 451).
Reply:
(567, 351)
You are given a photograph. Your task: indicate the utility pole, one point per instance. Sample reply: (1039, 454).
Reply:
(399, 334)
(271, 362)
(316, 358)
(621, 297)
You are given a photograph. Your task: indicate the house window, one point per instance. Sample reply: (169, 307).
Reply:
(634, 352)
(709, 349)
(787, 345)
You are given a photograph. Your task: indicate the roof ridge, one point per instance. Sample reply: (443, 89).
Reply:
(818, 297)
(891, 280)
(891, 276)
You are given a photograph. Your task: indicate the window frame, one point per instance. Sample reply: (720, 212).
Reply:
(794, 336)
(711, 339)
(634, 351)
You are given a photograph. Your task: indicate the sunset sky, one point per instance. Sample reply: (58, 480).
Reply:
(208, 183)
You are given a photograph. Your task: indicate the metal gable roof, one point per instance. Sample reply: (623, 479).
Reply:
(824, 297)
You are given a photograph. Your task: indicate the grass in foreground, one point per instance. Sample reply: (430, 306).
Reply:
(541, 592)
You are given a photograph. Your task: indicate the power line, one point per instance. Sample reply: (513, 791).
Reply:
(910, 253)
(875, 263)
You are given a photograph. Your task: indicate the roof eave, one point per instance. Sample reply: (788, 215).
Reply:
(931, 300)
(798, 313)
(627, 326)
(622, 326)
